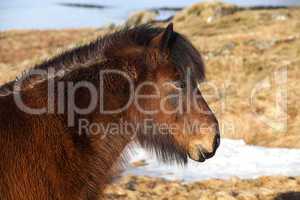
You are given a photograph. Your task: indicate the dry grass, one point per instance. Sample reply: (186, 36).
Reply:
(20, 49)
(240, 47)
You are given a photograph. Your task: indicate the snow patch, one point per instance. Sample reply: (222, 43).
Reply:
(234, 158)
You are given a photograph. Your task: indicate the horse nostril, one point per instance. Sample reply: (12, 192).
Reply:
(206, 154)
(200, 154)
(217, 142)
(200, 150)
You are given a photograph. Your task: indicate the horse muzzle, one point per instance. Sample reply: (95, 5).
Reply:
(200, 150)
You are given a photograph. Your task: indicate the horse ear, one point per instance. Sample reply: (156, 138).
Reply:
(164, 40)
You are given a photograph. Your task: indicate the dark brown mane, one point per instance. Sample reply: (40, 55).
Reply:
(95, 52)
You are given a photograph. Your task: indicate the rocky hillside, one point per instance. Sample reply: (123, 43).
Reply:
(264, 188)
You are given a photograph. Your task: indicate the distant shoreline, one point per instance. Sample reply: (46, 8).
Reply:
(84, 5)
(93, 14)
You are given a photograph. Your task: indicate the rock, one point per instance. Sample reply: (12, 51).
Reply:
(139, 163)
(111, 26)
(209, 11)
(280, 17)
(262, 45)
(141, 17)
(228, 48)
(247, 196)
(224, 196)
(131, 186)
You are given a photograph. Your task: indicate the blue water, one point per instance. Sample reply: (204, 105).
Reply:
(48, 14)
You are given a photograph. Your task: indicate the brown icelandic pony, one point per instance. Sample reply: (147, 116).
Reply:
(46, 156)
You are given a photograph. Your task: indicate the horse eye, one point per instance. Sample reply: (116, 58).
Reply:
(180, 84)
